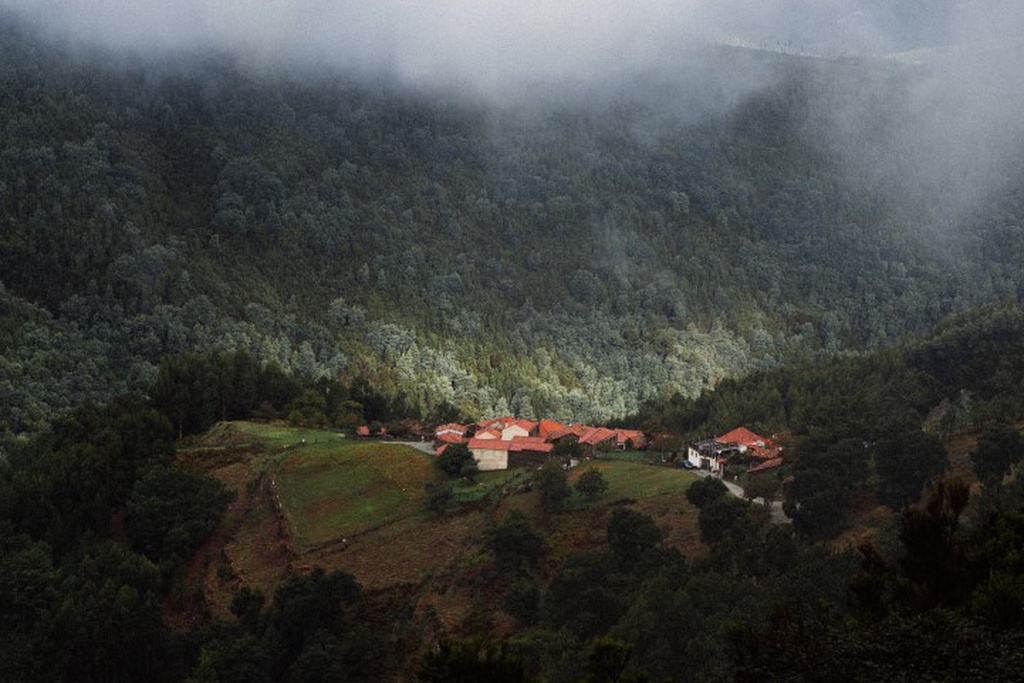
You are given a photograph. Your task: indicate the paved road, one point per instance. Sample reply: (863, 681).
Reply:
(424, 446)
(778, 516)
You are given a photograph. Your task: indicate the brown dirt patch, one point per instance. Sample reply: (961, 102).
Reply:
(249, 547)
(959, 447)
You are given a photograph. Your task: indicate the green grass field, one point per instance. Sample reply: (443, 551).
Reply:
(331, 487)
(637, 480)
(337, 491)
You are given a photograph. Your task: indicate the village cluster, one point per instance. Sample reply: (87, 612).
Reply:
(506, 442)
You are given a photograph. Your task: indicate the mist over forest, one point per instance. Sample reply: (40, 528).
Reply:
(497, 230)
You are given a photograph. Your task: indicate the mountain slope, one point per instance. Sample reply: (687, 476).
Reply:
(571, 258)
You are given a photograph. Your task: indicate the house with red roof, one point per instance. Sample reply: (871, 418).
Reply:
(750, 443)
(712, 454)
(545, 428)
(504, 442)
(629, 439)
(596, 436)
(450, 428)
(515, 429)
(365, 431)
(449, 433)
(500, 454)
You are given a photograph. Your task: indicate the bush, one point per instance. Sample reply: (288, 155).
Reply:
(522, 601)
(630, 535)
(515, 542)
(998, 448)
(591, 484)
(456, 461)
(439, 497)
(705, 491)
(553, 485)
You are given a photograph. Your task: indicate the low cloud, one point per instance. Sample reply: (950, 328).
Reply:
(487, 44)
(963, 131)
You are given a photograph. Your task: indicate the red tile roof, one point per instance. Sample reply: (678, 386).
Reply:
(596, 435)
(450, 428)
(489, 445)
(531, 443)
(546, 427)
(624, 435)
(449, 437)
(528, 425)
(766, 465)
(758, 446)
(488, 434)
(742, 436)
(557, 434)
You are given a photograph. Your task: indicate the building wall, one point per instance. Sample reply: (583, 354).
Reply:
(528, 459)
(709, 464)
(489, 459)
(693, 456)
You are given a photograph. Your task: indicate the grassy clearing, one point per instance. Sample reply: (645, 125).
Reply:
(330, 487)
(282, 438)
(636, 480)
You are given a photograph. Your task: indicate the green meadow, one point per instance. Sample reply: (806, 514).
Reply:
(330, 487)
(636, 480)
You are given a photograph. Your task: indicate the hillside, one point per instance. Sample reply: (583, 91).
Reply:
(360, 506)
(263, 552)
(314, 498)
(573, 257)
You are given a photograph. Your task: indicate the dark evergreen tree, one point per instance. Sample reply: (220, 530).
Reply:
(999, 447)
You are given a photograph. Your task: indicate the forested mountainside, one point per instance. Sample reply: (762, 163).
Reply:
(572, 258)
(130, 554)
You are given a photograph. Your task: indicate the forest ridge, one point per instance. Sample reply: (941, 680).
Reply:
(574, 259)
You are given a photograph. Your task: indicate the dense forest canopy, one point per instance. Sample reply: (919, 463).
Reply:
(573, 257)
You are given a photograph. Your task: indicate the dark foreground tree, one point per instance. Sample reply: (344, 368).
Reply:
(905, 463)
(553, 485)
(998, 448)
(630, 535)
(470, 662)
(705, 491)
(515, 542)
